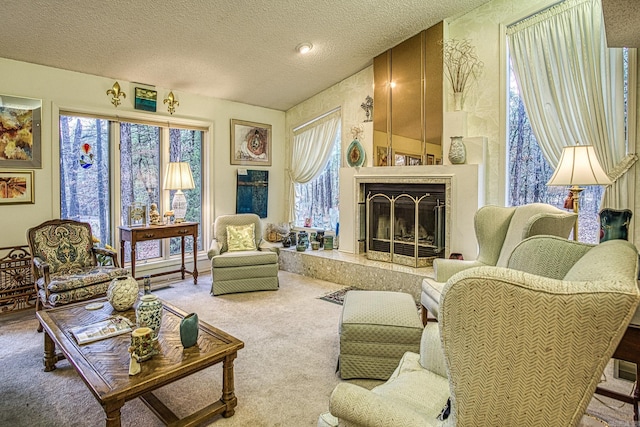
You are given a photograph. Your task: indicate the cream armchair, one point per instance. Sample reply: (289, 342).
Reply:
(530, 352)
(498, 230)
(243, 267)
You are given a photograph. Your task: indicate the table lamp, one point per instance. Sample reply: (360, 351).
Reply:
(178, 177)
(578, 166)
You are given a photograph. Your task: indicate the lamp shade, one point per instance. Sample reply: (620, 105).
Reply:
(579, 166)
(178, 177)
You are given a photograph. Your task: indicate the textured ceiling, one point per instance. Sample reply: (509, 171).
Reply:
(622, 18)
(242, 50)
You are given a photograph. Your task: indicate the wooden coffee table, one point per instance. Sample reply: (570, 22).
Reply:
(104, 365)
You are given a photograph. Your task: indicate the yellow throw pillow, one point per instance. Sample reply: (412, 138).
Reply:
(241, 238)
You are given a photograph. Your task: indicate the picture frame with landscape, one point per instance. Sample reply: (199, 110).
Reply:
(250, 143)
(20, 132)
(16, 187)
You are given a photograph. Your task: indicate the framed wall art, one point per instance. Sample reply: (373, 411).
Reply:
(145, 99)
(250, 143)
(16, 187)
(20, 132)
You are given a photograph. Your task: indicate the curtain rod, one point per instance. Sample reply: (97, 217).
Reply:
(316, 119)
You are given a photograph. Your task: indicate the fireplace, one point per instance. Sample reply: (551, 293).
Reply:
(405, 223)
(464, 193)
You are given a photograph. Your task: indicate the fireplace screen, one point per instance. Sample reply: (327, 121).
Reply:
(405, 223)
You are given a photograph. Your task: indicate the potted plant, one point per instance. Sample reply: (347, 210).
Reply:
(461, 66)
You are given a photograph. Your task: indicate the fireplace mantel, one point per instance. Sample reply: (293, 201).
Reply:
(465, 192)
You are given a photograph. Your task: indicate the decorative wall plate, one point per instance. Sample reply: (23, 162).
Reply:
(355, 154)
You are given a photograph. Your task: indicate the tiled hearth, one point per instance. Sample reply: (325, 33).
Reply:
(354, 270)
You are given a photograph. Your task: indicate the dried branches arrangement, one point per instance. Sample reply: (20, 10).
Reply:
(460, 63)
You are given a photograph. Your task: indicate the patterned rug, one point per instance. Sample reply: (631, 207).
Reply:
(337, 297)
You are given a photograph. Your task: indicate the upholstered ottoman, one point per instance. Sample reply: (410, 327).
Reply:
(376, 329)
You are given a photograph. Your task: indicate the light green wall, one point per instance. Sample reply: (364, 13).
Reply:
(60, 89)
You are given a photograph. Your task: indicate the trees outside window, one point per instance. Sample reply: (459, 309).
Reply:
(528, 170)
(185, 145)
(318, 199)
(139, 178)
(85, 175)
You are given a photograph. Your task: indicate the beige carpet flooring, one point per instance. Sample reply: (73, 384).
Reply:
(283, 376)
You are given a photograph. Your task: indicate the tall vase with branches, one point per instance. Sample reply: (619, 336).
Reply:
(461, 67)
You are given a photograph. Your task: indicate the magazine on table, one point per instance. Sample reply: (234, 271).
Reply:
(114, 325)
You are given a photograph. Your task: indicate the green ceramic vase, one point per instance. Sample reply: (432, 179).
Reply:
(189, 330)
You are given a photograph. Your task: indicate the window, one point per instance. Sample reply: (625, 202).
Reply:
(85, 190)
(528, 170)
(85, 171)
(185, 145)
(140, 178)
(317, 201)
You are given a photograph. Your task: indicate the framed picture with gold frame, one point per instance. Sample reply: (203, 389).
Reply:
(16, 187)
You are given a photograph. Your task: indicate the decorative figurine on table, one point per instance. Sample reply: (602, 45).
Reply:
(154, 215)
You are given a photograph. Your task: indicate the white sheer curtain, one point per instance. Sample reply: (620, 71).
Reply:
(312, 145)
(572, 87)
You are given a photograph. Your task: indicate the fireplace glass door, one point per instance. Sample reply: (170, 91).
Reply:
(405, 228)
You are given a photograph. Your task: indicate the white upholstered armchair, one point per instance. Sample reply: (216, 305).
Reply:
(498, 230)
(504, 342)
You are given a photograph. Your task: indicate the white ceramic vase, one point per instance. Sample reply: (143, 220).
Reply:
(457, 101)
(122, 293)
(457, 151)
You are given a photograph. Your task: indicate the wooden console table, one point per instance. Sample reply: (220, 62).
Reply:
(628, 350)
(155, 232)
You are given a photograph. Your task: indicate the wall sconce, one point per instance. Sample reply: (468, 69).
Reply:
(172, 102)
(116, 93)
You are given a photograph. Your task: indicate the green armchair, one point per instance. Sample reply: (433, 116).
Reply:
(252, 267)
(498, 230)
(519, 346)
(65, 266)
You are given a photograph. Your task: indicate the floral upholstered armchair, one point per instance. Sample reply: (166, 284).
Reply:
(65, 268)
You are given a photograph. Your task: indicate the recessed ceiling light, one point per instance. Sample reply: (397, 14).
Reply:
(303, 48)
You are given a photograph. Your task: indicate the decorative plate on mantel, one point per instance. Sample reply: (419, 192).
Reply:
(355, 154)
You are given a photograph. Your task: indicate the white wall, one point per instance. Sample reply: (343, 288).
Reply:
(60, 89)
